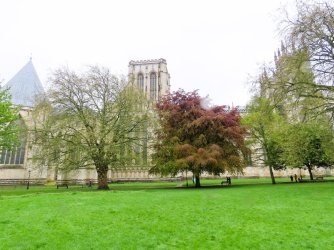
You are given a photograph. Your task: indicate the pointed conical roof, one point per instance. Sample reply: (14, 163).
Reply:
(25, 86)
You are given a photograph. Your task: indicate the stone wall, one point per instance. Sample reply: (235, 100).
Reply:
(133, 174)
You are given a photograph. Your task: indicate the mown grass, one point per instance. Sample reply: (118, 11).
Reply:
(139, 216)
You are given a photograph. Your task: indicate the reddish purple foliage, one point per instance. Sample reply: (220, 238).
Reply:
(197, 138)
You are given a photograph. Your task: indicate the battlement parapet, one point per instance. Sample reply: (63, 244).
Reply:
(151, 61)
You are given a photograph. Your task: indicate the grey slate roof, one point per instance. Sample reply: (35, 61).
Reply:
(25, 86)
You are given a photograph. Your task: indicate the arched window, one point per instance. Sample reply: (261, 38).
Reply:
(140, 81)
(14, 156)
(153, 86)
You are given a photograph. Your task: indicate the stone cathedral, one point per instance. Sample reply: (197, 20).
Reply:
(16, 166)
(151, 76)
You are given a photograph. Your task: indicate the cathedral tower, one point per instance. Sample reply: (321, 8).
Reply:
(151, 76)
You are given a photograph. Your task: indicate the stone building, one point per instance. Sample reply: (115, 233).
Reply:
(16, 164)
(150, 76)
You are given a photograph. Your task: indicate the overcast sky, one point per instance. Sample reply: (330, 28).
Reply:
(210, 45)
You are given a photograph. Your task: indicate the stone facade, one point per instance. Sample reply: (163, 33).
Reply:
(150, 76)
(17, 164)
(153, 78)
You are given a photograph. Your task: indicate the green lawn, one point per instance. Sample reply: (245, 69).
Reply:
(251, 214)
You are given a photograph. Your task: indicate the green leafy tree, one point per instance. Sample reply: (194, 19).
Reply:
(313, 28)
(311, 31)
(265, 123)
(91, 119)
(197, 139)
(289, 85)
(8, 117)
(309, 145)
(298, 86)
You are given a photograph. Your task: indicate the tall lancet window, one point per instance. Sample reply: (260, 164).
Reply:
(14, 156)
(153, 86)
(140, 81)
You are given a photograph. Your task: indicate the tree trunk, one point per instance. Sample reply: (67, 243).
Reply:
(56, 173)
(272, 175)
(309, 168)
(102, 178)
(198, 183)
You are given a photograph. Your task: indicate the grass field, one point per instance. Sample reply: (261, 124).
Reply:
(250, 214)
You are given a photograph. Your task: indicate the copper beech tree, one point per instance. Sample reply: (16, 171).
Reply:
(197, 139)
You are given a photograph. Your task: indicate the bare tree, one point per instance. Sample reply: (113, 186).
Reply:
(91, 119)
(313, 29)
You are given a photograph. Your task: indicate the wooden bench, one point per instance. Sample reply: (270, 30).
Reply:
(319, 178)
(227, 182)
(63, 183)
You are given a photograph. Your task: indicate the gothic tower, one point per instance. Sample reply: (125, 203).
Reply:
(151, 76)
